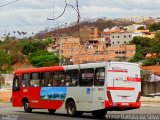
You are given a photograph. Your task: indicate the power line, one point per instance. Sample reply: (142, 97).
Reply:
(152, 13)
(53, 7)
(8, 3)
(76, 8)
(61, 13)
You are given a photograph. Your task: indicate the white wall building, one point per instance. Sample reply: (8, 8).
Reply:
(122, 38)
(134, 27)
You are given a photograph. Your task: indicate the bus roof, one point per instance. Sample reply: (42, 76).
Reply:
(41, 69)
(77, 66)
(87, 65)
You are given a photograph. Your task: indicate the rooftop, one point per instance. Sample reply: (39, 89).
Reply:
(154, 68)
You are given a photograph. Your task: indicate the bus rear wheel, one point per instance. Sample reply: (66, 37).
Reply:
(71, 109)
(51, 111)
(27, 107)
(99, 113)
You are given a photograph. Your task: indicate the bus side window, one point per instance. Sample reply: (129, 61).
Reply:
(35, 79)
(72, 77)
(86, 77)
(46, 79)
(25, 80)
(99, 76)
(59, 78)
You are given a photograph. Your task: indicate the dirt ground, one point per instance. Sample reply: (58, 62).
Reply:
(5, 95)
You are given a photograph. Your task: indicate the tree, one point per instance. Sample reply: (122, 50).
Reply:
(146, 45)
(31, 47)
(14, 32)
(5, 64)
(19, 33)
(154, 27)
(157, 35)
(42, 58)
(146, 75)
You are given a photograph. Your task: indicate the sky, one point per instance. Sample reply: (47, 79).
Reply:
(31, 15)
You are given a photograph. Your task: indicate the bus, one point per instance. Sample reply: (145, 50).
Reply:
(92, 87)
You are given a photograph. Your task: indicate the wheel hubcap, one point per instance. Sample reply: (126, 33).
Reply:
(26, 105)
(71, 109)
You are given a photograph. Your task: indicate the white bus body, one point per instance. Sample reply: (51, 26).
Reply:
(121, 89)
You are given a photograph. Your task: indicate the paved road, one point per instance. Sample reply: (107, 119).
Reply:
(7, 111)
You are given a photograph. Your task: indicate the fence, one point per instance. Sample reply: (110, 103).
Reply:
(150, 83)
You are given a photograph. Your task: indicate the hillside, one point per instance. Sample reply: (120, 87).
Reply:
(74, 29)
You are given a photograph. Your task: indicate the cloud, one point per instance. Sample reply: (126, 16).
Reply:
(31, 15)
(126, 4)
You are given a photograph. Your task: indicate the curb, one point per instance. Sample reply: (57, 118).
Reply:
(150, 105)
(155, 99)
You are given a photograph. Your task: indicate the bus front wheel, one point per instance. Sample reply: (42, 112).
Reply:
(99, 113)
(27, 107)
(71, 109)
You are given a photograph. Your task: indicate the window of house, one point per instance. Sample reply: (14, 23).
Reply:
(118, 42)
(124, 41)
(46, 79)
(123, 52)
(35, 79)
(113, 42)
(72, 77)
(116, 52)
(86, 77)
(112, 36)
(25, 80)
(99, 76)
(124, 36)
(59, 78)
(53, 48)
(117, 36)
(129, 35)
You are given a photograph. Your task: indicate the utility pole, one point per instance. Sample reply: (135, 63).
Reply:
(0, 83)
(61, 49)
(0, 80)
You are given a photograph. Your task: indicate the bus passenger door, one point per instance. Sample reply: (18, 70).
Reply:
(34, 90)
(99, 89)
(85, 93)
(16, 95)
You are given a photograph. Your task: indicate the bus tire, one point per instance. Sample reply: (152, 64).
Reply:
(27, 107)
(99, 113)
(51, 111)
(71, 109)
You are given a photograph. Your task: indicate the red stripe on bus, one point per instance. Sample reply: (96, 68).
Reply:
(134, 79)
(117, 70)
(120, 88)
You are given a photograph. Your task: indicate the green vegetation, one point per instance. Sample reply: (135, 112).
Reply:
(32, 46)
(5, 62)
(147, 45)
(27, 50)
(43, 58)
(35, 45)
(154, 27)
